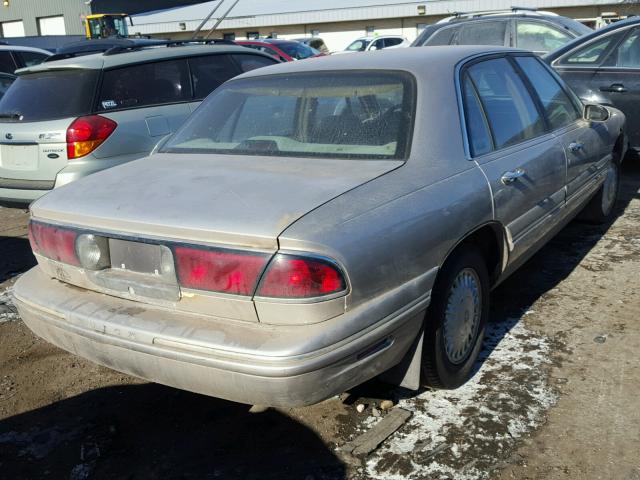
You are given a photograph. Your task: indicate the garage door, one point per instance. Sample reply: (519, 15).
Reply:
(13, 29)
(51, 25)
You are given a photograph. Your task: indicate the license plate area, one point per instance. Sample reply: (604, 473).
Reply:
(19, 157)
(139, 270)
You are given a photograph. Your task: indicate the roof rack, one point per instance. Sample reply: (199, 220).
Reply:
(482, 13)
(175, 43)
(203, 41)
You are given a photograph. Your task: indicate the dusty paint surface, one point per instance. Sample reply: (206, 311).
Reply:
(556, 394)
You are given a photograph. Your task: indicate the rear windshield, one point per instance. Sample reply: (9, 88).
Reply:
(328, 114)
(296, 50)
(49, 95)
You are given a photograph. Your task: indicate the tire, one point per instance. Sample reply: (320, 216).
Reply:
(449, 354)
(601, 206)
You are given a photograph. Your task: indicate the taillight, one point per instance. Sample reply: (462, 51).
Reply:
(86, 134)
(300, 277)
(54, 242)
(219, 270)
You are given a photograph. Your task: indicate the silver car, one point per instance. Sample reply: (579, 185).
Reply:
(63, 120)
(316, 224)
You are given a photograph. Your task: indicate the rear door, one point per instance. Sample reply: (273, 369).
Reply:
(585, 151)
(34, 116)
(147, 101)
(523, 162)
(618, 80)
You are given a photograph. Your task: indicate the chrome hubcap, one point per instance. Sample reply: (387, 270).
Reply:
(609, 189)
(462, 316)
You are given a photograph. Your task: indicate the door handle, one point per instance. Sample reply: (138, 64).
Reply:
(614, 87)
(511, 176)
(576, 146)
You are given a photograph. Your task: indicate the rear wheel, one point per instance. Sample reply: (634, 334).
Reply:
(600, 207)
(456, 320)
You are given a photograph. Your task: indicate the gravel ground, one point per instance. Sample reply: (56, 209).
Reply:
(556, 393)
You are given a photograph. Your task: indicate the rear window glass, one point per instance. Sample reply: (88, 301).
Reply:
(327, 115)
(483, 33)
(251, 62)
(32, 58)
(144, 85)
(443, 36)
(49, 95)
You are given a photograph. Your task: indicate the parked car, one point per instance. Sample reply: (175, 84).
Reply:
(314, 42)
(366, 44)
(315, 224)
(530, 29)
(89, 46)
(604, 67)
(13, 57)
(283, 50)
(6, 79)
(122, 103)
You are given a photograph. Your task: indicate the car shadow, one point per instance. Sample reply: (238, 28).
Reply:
(540, 274)
(149, 431)
(15, 257)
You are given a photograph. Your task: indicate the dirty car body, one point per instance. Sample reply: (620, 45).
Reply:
(316, 224)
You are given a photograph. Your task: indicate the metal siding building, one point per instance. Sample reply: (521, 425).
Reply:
(30, 13)
(340, 21)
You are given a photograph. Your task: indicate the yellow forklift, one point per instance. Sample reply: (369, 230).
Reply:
(105, 25)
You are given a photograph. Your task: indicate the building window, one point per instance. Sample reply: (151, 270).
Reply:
(369, 29)
(420, 27)
(51, 25)
(229, 36)
(315, 33)
(253, 35)
(13, 29)
(273, 35)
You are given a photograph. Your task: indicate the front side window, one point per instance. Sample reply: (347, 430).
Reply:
(591, 54)
(483, 33)
(512, 114)
(559, 108)
(325, 115)
(144, 85)
(210, 72)
(358, 46)
(444, 36)
(627, 55)
(539, 37)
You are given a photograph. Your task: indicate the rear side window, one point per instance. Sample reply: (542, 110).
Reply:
(6, 62)
(444, 36)
(477, 128)
(539, 37)
(45, 95)
(32, 58)
(628, 53)
(251, 62)
(483, 33)
(592, 54)
(559, 108)
(392, 42)
(512, 114)
(210, 72)
(144, 85)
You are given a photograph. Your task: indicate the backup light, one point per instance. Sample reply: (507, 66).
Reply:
(93, 251)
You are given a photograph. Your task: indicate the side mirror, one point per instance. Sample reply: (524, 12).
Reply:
(595, 113)
(372, 48)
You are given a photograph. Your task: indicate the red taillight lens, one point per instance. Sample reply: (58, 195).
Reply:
(86, 134)
(54, 242)
(298, 277)
(219, 270)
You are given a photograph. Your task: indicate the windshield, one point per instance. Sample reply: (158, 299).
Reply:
(49, 95)
(297, 50)
(328, 114)
(358, 46)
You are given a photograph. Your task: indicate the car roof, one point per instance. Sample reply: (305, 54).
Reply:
(21, 48)
(416, 61)
(100, 61)
(376, 37)
(612, 27)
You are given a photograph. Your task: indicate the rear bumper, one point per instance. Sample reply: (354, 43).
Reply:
(133, 338)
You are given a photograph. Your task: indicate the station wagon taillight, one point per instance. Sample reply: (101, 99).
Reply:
(86, 134)
(54, 242)
(300, 277)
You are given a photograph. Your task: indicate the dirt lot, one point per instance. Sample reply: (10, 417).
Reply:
(556, 394)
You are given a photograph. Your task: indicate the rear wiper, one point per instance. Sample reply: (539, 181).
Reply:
(11, 115)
